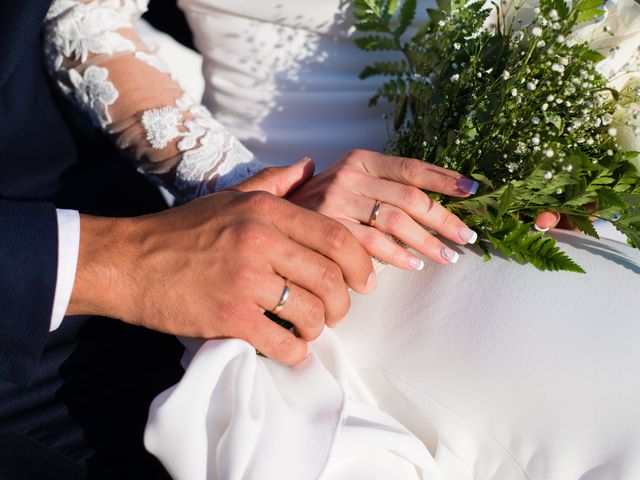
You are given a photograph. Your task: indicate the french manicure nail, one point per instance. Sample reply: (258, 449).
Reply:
(371, 282)
(449, 255)
(416, 263)
(540, 229)
(467, 235)
(467, 185)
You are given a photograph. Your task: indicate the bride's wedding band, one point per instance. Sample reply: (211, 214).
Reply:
(284, 298)
(374, 213)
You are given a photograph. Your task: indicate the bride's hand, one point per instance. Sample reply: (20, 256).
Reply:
(348, 191)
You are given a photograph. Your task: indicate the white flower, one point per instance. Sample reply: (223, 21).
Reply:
(557, 68)
(625, 122)
(548, 175)
(514, 92)
(535, 120)
(549, 153)
(536, 31)
(560, 38)
(612, 131)
(456, 46)
(455, 77)
(531, 86)
(616, 35)
(535, 140)
(94, 93)
(553, 14)
(506, 75)
(545, 107)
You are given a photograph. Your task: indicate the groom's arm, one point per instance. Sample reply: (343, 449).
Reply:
(99, 62)
(29, 251)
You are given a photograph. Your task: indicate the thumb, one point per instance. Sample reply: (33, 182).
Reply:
(279, 181)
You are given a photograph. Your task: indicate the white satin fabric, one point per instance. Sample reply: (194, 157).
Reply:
(483, 371)
(283, 77)
(498, 371)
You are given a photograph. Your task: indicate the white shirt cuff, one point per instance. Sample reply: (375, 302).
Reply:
(68, 250)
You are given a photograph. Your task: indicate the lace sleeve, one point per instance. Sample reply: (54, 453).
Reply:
(98, 61)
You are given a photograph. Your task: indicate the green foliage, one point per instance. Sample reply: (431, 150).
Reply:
(520, 110)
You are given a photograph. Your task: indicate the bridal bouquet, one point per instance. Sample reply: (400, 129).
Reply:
(539, 104)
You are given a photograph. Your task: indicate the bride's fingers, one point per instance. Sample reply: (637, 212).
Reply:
(383, 248)
(396, 222)
(547, 220)
(413, 172)
(420, 206)
(302, 309)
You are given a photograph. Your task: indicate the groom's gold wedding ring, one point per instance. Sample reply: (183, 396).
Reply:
(374, 214)
(284, 298)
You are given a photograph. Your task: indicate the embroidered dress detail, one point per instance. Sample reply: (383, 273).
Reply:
(98, 61)
(161, 125)
(94, 93)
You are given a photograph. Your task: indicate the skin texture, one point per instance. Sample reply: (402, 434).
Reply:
(348, 190)
(212, 267)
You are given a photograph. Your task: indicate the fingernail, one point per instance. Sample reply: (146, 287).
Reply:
(416, 263)
(467, 185)
(371, 282)
(467, 235)
(449, 255)
(540, 229)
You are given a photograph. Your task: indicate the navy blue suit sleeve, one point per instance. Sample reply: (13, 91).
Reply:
(28, 268)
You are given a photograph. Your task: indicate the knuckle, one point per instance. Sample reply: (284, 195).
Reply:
(285, 347)
(394, 220)
(410, 168)
(447, 220)
(370, 240)
(343, 174)
(412, 197)
(331, 276)
(248, 236)
(260, 201)
(355, 153)
(336, 236)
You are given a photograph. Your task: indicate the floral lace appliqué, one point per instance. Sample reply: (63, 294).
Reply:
(94, 93)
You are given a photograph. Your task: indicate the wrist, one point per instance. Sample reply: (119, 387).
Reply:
(104, 283)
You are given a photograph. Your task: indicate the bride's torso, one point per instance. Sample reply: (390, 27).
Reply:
(283, 76)
(498, 390)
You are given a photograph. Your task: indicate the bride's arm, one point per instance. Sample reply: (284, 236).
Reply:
(99, 62)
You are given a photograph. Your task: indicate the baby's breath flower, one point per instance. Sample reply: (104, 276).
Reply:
(553, 14)
(548, 175)
(506, 75)
(536, 31)
(549, 153)
(456, 46)
(541, 44)
(612, 131)
(535, 120)
(455, 77)
(514, 92)
(531, 86)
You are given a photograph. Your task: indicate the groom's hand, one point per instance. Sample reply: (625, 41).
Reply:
(211, 268)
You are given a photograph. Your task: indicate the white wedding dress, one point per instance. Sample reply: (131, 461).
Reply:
(484, 371)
